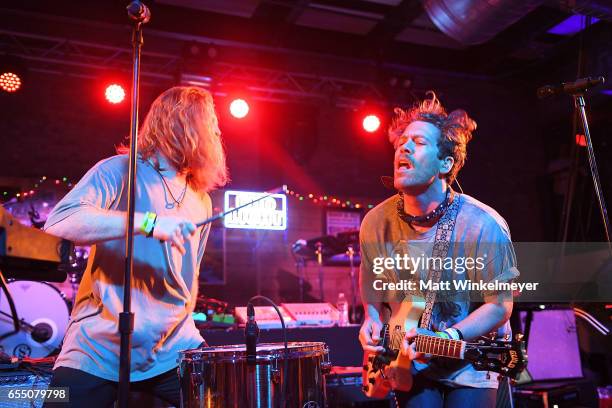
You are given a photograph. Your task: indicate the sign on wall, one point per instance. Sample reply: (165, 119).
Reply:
(341, 220)
(269, 213)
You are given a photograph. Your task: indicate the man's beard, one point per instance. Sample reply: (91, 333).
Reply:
(412, 184)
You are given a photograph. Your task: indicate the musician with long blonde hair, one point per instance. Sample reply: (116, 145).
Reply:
(181, 159)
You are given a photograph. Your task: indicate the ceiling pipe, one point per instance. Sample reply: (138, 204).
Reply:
(601, 9)
(474, 22)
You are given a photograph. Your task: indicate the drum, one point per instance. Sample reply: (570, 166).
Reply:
(220, 376)
(39, 306)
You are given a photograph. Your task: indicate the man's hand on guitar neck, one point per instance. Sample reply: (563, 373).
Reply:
(369, 335)
(409, 346)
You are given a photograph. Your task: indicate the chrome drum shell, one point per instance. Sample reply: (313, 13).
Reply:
(220, 376)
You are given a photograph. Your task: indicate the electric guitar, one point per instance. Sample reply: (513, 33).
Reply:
(391, 369)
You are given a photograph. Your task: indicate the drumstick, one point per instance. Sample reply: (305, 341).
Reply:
(278, 190)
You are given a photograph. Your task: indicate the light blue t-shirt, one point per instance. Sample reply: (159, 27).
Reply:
(164, 282)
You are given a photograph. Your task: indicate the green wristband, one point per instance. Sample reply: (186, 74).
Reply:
(148, 223)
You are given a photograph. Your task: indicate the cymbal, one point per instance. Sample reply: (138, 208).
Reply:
(349, 238)
(343, 260)
(329, 245)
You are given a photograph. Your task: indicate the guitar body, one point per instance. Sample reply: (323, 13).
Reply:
(392, 369)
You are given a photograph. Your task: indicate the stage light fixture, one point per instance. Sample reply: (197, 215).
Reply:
(371, 123)
(114, 93)
(581, 140)
(239, 108)
(10, 82)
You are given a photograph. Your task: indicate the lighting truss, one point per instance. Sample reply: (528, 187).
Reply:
(56, 55)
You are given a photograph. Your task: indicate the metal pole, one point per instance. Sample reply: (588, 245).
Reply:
(139, 13)
(580, 105)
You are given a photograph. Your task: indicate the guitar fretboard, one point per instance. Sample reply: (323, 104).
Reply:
(438, 346)
(434, 345)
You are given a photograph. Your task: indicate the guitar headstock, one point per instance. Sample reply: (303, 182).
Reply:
(509, 358)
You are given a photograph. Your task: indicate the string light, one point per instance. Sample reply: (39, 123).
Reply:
(328, 200)
(35, 187)
(321, 200)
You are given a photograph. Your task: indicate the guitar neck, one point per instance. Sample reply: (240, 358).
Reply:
(438, 346)
(505, 357)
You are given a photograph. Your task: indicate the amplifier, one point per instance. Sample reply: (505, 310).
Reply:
(560, 397)
(266, 317)
(312, 314)
(30, 254)
(295, 314)
(343, 389)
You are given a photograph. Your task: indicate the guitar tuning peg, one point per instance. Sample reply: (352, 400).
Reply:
(519, 337)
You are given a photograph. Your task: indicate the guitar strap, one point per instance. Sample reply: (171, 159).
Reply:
(441, 246)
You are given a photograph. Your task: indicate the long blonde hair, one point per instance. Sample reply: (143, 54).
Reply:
(182, 125)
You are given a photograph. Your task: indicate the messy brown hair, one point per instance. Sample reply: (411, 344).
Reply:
(456, 129)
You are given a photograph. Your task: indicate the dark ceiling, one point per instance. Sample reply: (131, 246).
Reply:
(351, 49)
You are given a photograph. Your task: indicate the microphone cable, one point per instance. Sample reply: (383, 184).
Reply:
(286, 349)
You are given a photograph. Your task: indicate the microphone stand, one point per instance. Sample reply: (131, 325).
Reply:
(351, 254)
(139, 14)
(319, 253)
(300, 262)
(11, 304)
(253, 347)
(299, 266)
(580, 106)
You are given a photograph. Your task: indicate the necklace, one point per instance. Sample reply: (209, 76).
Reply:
(181, 197)
(422, 219)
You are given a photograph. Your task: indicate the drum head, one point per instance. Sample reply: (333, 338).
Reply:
(40, 305)
(265, 351)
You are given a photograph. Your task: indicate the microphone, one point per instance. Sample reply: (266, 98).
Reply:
(571, 88)
(251, 333)
(299, 244)
(138, 12)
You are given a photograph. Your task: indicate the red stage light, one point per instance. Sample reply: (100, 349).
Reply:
(581, 140)
(371, 123)
(10, 82)
(114, 93)
(239, 108)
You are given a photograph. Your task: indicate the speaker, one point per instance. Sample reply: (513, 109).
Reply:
(552, 345)
(343, 388)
